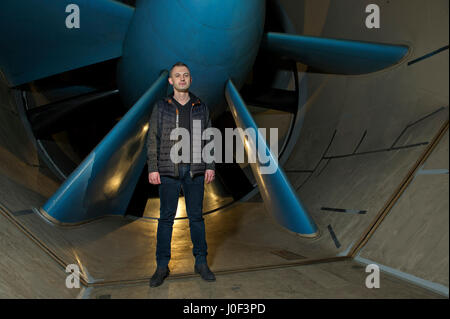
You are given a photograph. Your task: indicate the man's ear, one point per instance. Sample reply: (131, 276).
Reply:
(170, 81)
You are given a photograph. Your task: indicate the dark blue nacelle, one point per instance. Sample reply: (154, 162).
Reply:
(217, 39)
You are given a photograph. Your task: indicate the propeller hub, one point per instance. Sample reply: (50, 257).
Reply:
(218, 40)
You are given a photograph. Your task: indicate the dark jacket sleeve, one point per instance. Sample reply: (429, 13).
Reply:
(208, 124)
(153, 141)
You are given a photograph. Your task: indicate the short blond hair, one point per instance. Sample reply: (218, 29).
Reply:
(178, 64)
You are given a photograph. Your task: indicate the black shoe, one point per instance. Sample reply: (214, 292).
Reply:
(205, 272)
(159, 276)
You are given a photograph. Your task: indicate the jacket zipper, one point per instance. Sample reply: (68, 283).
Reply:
(176, 126)
(192, 140)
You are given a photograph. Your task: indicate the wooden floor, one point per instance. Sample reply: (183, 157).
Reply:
(336, 280)
(41, 276)
(115, 249)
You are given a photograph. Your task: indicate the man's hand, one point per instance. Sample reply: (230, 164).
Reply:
(209, 176)
(153, 178)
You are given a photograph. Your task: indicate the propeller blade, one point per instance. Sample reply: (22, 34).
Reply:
(104, 182)
(36, 42)
(333, 55)
(277, 193)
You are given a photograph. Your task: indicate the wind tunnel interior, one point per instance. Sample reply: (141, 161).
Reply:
(70, 113)
(347, 144)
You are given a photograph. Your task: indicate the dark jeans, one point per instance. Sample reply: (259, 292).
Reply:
(169, 191)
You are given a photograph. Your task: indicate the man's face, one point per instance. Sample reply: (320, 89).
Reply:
(180, 78)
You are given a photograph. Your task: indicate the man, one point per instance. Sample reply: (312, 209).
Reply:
(178, 110)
